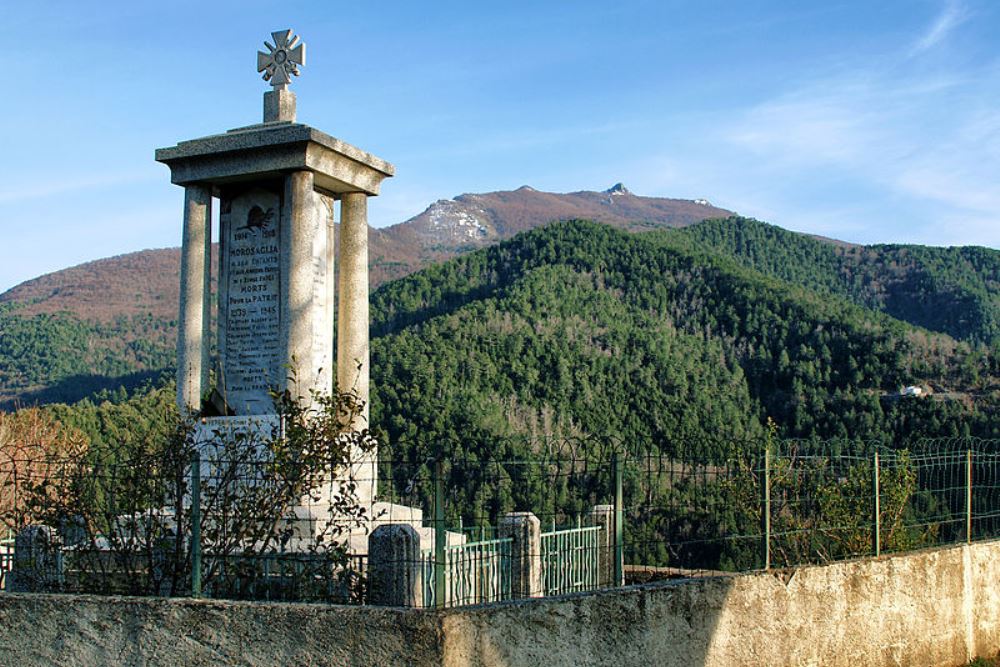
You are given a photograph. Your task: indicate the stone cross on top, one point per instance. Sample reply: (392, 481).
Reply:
(282, 59)
(279, 64)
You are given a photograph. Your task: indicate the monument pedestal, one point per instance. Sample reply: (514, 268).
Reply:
(217, 438)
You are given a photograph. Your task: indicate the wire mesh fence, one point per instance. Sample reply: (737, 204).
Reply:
(564, 516)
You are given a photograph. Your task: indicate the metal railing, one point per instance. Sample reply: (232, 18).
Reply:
(678, 509)
(571, 560)
(475, 573)
(6, 559)
(285, 576)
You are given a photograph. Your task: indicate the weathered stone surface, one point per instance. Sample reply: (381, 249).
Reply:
(192, 335)
(353, 355)
(210, 432)
(935, 608)
(277, 183)
(603, 516)
(353, 345)
(276, 293)
(37, 560)
(249, 300)
(279, 106)
(395, 570)
(525, 531)
(306, 306)
(269, 150)
(91, 631)
(282, 60)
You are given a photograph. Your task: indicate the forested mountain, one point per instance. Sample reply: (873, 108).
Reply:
(146, 283)
(579, 329)
(951, 290)
(114, 321)
(661, 341)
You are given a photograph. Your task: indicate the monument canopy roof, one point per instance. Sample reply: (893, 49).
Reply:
(272, 149)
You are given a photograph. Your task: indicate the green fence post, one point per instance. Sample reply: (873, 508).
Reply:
(195, 524)
(968, 496)
(877, 533)
(619, 523)
(440, 537)
(766, 509)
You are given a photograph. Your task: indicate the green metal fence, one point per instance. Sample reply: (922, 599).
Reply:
(571, 560)
(285, 576)
(474, 573)
(6, 558)
(677, 511)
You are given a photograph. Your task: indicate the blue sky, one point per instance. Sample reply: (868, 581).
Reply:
(865, 121)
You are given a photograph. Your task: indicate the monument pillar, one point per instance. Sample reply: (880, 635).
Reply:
(352, 317)
(353, 356)
(195, 315)
(298, 236)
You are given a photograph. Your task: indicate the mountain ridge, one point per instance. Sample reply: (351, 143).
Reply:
(68, 334)
(147, 281)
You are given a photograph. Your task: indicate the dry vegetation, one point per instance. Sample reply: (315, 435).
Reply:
(32, 444)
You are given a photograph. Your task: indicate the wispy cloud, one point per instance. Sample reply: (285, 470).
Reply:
(879, 151)
(953, 14)
(66, 186)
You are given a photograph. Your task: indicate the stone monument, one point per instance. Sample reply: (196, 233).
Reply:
(278, 184)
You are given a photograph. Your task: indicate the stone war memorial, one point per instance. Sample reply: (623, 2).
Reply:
(228, 505)
(278, 186)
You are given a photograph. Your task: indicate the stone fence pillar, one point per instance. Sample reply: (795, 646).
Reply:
(604, 516)
(37, 561)
(525, 531)
(395, 569)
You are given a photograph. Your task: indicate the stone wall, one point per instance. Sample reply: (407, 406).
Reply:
(937, 607)
(93, 631)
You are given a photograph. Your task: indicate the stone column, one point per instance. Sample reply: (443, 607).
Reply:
(297, 230)
(352, 315)
(395, 569)
(525, 531)
(352, 329)
(193, 335)
(604, 516)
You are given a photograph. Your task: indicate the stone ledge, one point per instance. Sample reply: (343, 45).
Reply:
(269, 134)
(936, 607)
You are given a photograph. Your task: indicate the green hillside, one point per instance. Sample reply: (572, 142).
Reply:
(950, 290)
(694, 335)
(578, 329)
(46, 358)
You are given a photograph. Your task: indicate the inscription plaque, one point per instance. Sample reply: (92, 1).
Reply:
(250, 306)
